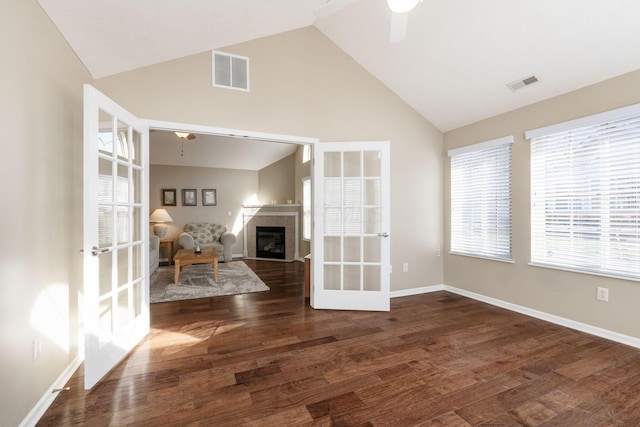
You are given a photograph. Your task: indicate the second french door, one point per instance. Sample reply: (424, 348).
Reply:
(351, 243)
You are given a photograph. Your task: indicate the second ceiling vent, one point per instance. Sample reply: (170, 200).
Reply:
(519, 84)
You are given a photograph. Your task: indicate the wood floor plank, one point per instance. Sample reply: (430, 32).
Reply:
(503, 402)
(435, 359)
(531, 413)
(293, 417)
(450, 419)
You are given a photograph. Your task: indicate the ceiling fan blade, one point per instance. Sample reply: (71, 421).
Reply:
(330, 7)
(398, 30)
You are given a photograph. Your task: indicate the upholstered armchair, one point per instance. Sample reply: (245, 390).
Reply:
(208, 235)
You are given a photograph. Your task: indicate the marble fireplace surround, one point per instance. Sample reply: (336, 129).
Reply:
(286, 216)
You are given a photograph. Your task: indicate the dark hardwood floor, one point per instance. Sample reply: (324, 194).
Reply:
(436, 359)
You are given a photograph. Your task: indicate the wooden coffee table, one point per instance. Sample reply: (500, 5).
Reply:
(189, 257)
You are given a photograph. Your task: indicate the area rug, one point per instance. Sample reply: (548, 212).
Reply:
(196, 281)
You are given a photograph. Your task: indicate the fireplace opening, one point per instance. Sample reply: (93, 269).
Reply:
(270, 242)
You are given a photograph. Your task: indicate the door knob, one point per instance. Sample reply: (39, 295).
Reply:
(95, 251)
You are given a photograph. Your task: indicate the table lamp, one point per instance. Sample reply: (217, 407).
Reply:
(160, 216)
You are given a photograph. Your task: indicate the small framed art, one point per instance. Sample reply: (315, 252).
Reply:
(168, 197)
(209, 197)
(189, 197)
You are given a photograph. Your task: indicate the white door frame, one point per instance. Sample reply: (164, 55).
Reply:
(211, 130)
(235, 133)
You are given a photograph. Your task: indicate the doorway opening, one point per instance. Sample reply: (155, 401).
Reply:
(231, 153)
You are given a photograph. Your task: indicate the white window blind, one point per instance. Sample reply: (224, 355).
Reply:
(585, 194)
(481, 199)
(106, 209)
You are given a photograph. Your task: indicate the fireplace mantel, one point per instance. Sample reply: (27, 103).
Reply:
(285, 215)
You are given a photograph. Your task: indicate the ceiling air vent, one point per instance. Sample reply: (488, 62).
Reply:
(230, 71)
(519, 84)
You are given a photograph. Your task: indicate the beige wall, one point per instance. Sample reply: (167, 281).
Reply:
(40, 265)
(277, 181)
(233, 188)
(565, 294)
(302, 84)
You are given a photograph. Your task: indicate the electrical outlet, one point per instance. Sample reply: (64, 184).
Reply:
(602, 294)
(405, 267)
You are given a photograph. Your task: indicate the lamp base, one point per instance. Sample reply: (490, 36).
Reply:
(160, 230)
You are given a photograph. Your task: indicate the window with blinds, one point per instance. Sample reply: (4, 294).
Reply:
(306, 208)
(585, 194)
(481, 199)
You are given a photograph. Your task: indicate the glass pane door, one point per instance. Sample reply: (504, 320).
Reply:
(115, 180)
(351, 245)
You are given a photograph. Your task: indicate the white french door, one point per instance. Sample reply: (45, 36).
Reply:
(116, 299)
(350, 253)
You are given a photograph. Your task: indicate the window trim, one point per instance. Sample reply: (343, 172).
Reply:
(575, 270)
(481, 146)
(306, 153)
(306, 219)
(594, 119)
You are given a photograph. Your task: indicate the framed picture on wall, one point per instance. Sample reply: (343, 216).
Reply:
(209, 197)
(168, 197)
(189, 197)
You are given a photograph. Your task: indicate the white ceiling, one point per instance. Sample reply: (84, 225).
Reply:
(453, 66)
(214, 151)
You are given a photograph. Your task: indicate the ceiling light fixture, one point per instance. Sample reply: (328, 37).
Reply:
(402, 6)
(183, 136)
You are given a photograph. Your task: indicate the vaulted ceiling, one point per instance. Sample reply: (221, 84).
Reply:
(453, 67)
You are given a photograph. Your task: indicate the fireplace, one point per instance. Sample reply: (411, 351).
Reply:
(283, 217)
(270, 242)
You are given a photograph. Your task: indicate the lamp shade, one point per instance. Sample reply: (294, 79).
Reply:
(160, 215)
(401, 6)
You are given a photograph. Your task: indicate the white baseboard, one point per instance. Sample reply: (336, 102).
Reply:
(416, 291)
(579, 326)
(45, 401)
